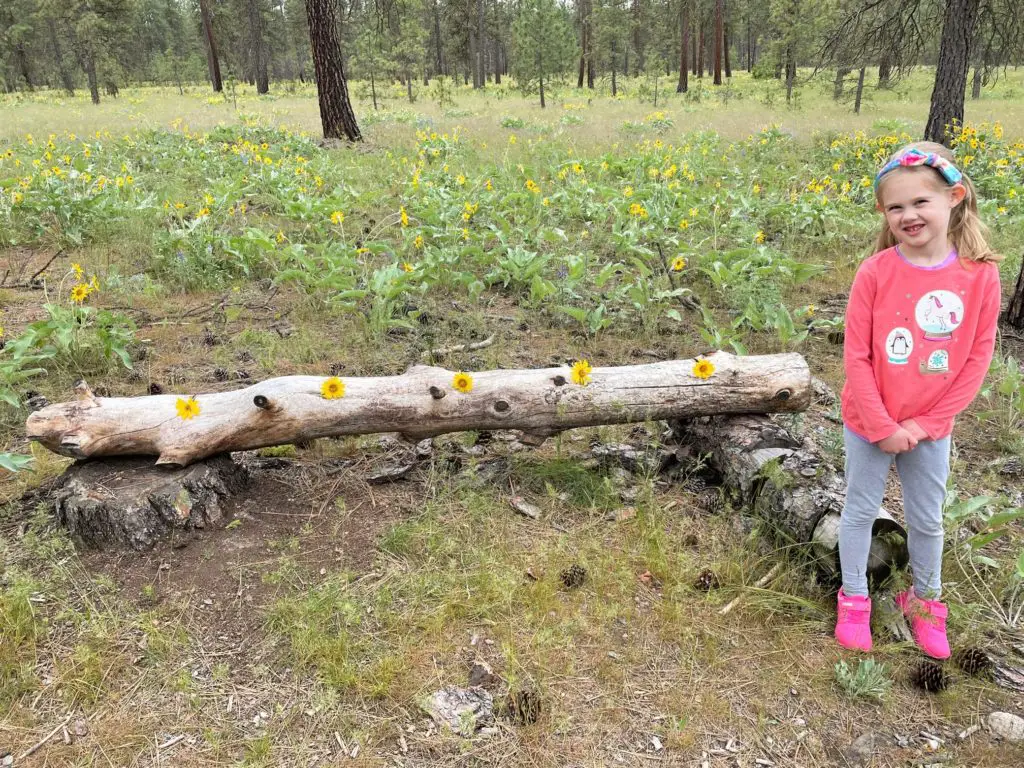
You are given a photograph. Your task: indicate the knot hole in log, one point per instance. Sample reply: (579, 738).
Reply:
(436, 392)
(783, 394)
(502, 406)
(559, 380)
(262, 402)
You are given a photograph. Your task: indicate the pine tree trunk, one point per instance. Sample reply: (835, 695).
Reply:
(438, 58)
(481, 43)
(719, 34)
(212, 60)
(638, 38)
(700, 51)
(542, 104)
(257, 48)
(615, 89)
(373, 90)
(790, 72)
(336, 113)
(89, 65)
(725, 51)
(694, 39)
(860, 90)
(22, 58)
(947, 104)
(750, 46)
(408, 88)
(839, 82)
(58, 53)
(1015, 309)
(884, 71)
(684, 47)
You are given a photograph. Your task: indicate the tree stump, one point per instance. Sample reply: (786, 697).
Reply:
(788, 484)
(130, 502)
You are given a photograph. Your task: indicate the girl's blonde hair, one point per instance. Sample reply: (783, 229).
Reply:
(966, 231)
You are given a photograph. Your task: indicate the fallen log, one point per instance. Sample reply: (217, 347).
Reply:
(785, 482)
(424, 402)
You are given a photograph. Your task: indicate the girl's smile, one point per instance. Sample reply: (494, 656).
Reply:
(917, 205)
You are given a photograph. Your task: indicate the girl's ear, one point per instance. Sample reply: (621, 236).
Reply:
(957, 193)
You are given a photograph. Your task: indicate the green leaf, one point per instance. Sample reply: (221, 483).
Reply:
(14, 462)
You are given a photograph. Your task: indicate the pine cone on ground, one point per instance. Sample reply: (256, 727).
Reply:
(973, 661)
(220, 374)
(706, 581)
(574, 576)
(711, 501)
(523, 706)
(929, 676)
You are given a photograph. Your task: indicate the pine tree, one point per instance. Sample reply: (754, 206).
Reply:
(543, 44)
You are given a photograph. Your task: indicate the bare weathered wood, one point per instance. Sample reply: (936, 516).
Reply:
(788, 484)
(129, 502)
(421, 403)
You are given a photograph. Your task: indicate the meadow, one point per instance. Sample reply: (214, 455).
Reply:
(190, 242)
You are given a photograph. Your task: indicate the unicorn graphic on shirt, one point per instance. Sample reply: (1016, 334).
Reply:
(939, 313)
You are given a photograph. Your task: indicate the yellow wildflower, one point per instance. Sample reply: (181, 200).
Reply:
(684, 224)
(638, 210)
(694, 213)
(332, 388)
(460, 180)
(337, 217)
(80, 293)
(187, 409)
(488, 186)
(418, 242)
(703, 369)
(405, 216)
(581, 370)
(678, 264)
(759, 237)
(77, 269)
(627, 192)
(463, 382)
(407, 267)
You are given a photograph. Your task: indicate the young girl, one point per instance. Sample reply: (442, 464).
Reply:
(920, 332)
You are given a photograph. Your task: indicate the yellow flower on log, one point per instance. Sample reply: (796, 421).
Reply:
(581, 372)
(678, 264)
(79, 293)
(187, 408)
(703, 369)
(332, 388)
(463, 382)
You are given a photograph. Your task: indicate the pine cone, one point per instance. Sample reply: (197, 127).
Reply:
(574, 576)
(929, 676)
(155, 389)
(220, 374)
(336, 369)
(706, 581)
(209, 339)
(523, 706)
(695, 483)
(973, 661)
(836, 337)
(710, 500)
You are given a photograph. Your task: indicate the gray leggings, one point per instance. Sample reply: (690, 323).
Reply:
(923, 472)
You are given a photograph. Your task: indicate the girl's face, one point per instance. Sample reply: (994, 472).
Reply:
(917, 205)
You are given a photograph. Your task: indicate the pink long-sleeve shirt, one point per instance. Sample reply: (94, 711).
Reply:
(919, 341)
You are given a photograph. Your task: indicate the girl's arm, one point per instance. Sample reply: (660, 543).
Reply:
(860, 375)
(968, 381)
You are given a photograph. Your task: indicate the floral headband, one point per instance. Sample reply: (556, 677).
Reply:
(912, 157)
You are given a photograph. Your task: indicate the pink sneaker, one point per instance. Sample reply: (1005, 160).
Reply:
(853, 627)
(927, 622)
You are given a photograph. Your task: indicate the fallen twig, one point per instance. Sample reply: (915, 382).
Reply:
(459, 347)
(45, 739)
(760, 583)
(170, 742)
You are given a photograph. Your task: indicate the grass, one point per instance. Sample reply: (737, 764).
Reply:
(328, 606)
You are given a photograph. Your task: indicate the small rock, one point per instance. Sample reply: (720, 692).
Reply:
(464, 710)
(9, 760)
(965, 734)
(621, 515)
(1006, 726)
(864, 747)
(390, 474)
(523, 507)
(656, 744)
(81, 727)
